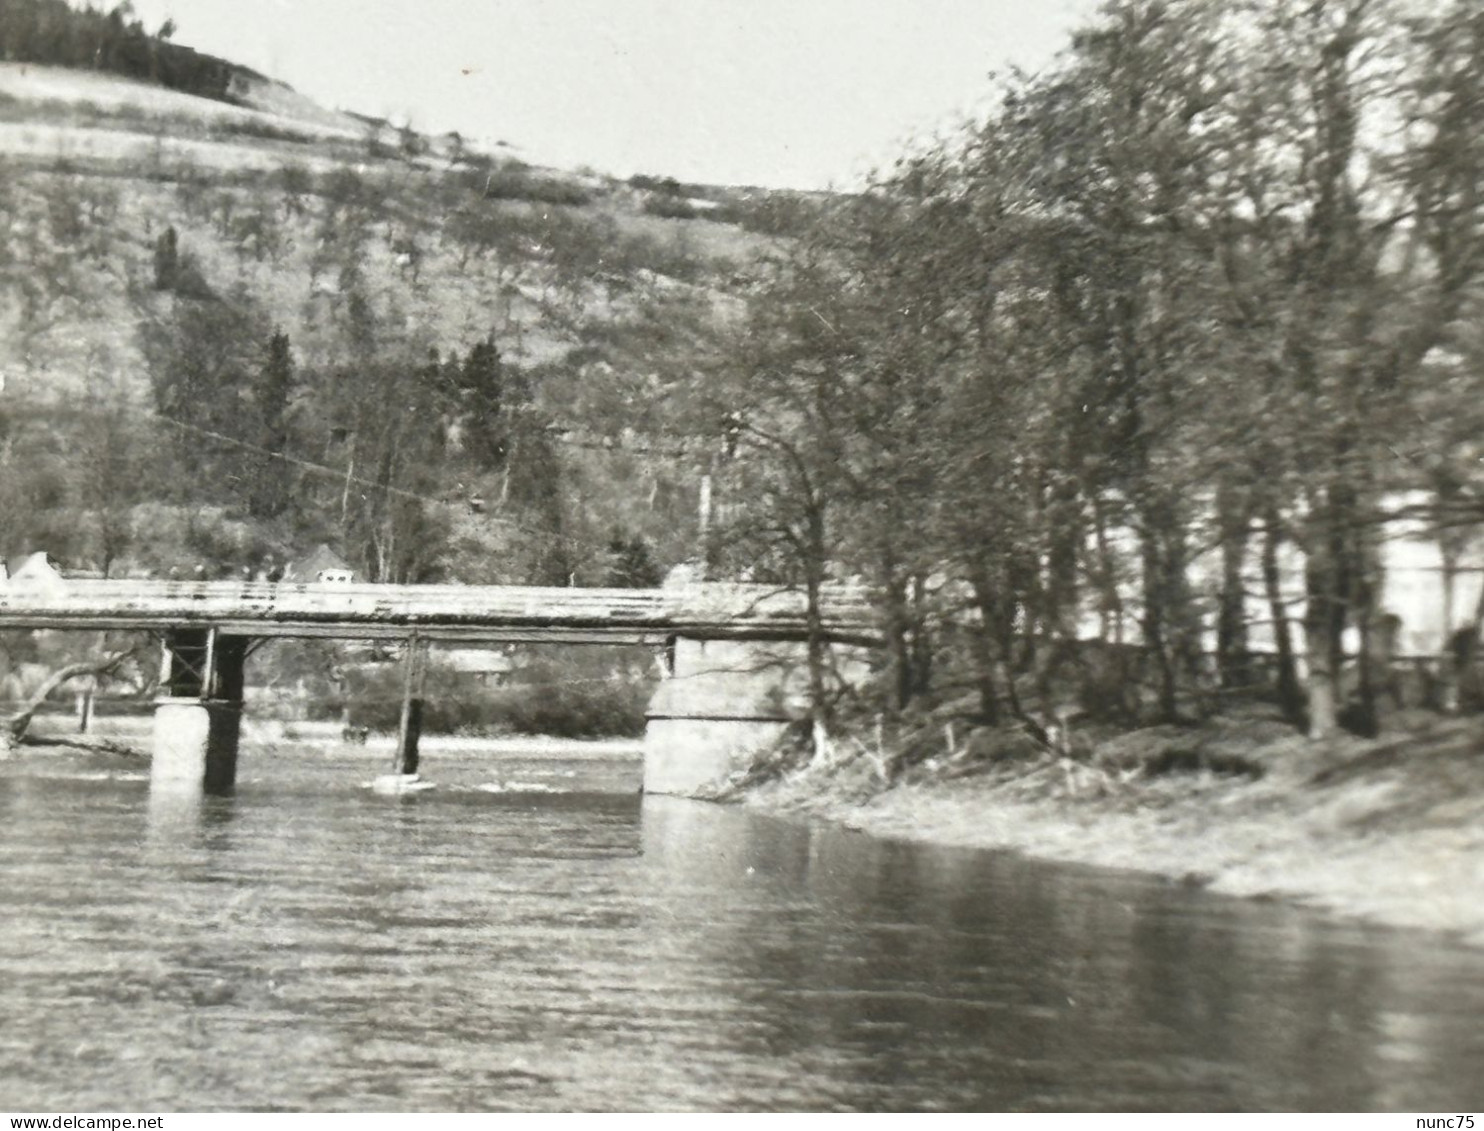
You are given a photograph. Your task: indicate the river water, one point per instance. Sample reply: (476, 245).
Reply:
(532, 935)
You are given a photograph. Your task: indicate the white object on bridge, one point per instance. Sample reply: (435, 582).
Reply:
(399, 783)
(38, 575)
(321, 565)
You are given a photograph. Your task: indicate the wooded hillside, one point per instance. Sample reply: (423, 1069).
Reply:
(225, 343)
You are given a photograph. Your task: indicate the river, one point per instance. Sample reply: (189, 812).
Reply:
(532, 935)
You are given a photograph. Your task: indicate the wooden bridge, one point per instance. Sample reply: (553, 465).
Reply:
(732, 652)
(452, 613)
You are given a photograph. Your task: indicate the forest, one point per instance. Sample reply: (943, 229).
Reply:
(1075, 392)
(1206, 291)
(112, 40)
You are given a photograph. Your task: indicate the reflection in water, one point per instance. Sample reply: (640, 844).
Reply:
(180, 816)
(308, 945)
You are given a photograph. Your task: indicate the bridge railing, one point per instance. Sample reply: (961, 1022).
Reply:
(331, 599)
(167, 601)
(744, 600)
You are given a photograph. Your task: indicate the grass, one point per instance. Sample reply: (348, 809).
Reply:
(522, 184)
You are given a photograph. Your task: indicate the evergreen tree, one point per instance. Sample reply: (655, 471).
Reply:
(481, 393)
(631, 565)
(167, 260)
(272, 395)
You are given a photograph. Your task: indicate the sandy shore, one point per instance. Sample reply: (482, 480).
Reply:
(1391, 830)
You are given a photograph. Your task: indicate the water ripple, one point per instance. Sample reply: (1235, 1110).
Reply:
(306, 946)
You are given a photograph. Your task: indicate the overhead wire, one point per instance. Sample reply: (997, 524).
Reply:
(346, 475)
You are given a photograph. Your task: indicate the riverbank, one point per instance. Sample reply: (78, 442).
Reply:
(1390, 830)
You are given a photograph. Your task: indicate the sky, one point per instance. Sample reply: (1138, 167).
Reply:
(804, 94)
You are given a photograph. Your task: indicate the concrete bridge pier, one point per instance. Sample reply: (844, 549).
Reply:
(198, 719)
(722, 704)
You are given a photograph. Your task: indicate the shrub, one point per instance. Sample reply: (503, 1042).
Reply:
(167, 259)
(563, 697)
(667, 186)
(670, 208)
(267, 131)
(778, 213)
(674, 256)
(519, 184)
(547, 701)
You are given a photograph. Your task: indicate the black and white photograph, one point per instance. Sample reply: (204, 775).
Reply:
(741, 556)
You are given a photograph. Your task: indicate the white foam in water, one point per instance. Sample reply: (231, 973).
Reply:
(518, 787)
(398, 783)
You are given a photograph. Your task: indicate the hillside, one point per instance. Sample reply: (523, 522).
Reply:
(144, 223)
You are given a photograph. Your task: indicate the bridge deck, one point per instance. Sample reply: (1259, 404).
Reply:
(433, 612)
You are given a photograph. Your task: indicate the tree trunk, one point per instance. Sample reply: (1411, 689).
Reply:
(1060, 593)
(1058, 596)
(922, 650)
(17, 725)
(1450, 545)
(1460, 664)
(1376, 644)
(1324, 625)
(983, 644)
(898, 653)
(1232, 659)
(1450, 584)
(1154, 627)
(1289, 697)
(1166, 601)
(1110, 601)
(814, 567)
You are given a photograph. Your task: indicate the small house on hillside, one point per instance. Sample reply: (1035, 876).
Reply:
(321, 564)
(35, 571)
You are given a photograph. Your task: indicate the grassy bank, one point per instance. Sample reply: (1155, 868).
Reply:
(1388, 829)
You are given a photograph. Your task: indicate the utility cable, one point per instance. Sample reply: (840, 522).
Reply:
(345, 475)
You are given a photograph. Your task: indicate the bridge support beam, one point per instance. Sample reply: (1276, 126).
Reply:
(198, 720)
(725, 703)
(722, 704)
(410, 726)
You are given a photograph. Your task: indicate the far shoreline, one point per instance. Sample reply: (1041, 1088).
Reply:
(57, 734)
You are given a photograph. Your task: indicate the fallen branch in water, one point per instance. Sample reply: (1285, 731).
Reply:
(83, 742)
(16, 726)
